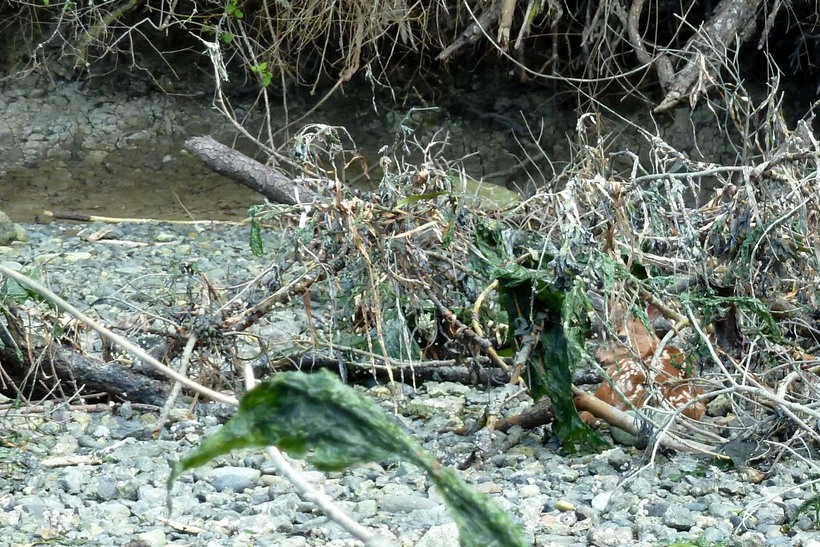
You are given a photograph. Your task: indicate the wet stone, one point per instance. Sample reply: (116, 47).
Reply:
(678, 517)
(397, 503)
(771, 513)
(233, 482)
(610, 535)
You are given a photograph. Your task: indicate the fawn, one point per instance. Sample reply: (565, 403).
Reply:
(628, 365)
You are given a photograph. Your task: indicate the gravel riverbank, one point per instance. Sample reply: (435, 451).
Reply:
(96, 477)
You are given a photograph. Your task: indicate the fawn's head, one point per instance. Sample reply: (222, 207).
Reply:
(632, 339)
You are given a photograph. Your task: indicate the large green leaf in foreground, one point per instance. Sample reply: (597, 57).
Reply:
(317, 417)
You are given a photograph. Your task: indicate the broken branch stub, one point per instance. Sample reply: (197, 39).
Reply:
(707, 50)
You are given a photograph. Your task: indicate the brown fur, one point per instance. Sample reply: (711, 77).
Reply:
(627, 362)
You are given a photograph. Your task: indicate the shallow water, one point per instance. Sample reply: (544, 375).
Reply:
(157, 179)
(158, 182)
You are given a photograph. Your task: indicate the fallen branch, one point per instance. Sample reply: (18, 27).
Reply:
(474, 32)
(268, 181)
(83, 217)
(540, 413)
(62, 368)
(615, 418)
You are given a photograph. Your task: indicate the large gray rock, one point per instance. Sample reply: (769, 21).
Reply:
(10, 232)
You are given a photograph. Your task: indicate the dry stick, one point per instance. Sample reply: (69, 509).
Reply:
(252, 315)
(220, 74)
(787, 407)
(477, 327)
(621, 420)
(769, 228)
(403, 363)
(82, 217)
(120, 341)
(172, 397)
(100, 28)
(464, 330)
(662, 64)
(250, 285)
(254, 62)
(309, 493)
(679, 319)
(304, 488)
(342, 78)
(527, 345)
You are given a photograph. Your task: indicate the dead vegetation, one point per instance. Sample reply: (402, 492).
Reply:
(414, 282)
(417, 282)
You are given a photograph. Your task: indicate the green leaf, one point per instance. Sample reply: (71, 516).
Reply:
(714, 305)
(333, 426)
(257, 248)
(264, 73)
(233, 9)
(489, 240)
(11, 290)
(227, 37)
(423, 197)
(530, 297)
(551, 373)
(480, 521)
(811, 504)
(312, 416)
(606, 269)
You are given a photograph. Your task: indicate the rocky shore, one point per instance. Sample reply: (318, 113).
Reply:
(94, 475)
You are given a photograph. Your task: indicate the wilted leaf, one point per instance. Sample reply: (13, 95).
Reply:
(333, 427)
(561, 316)
(257, 247)
(416, 198)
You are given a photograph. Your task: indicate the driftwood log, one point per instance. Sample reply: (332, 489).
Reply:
(468, 374)
(61, 371)
(268, 181)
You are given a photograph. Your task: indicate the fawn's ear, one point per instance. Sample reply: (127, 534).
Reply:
(597, 316)
(660, 324)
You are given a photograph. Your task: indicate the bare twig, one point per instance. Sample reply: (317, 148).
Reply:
(120, 341)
